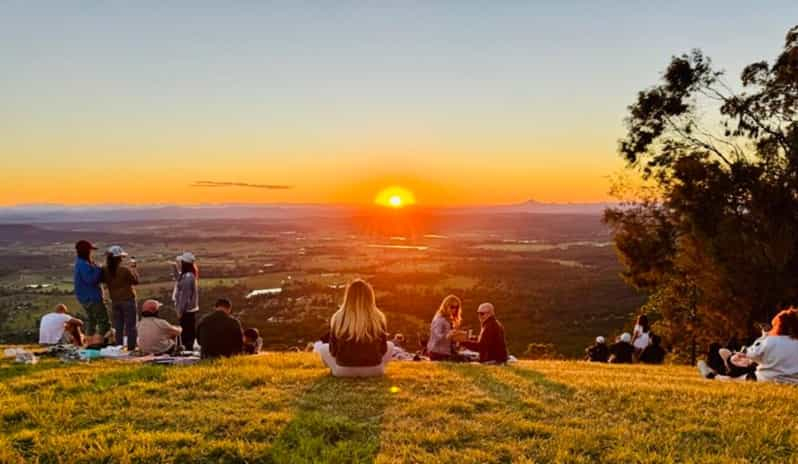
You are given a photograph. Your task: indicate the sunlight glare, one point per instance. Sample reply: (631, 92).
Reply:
(395, 197)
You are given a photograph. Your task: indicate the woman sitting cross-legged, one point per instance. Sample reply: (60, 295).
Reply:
(775, 353)
(358, 339)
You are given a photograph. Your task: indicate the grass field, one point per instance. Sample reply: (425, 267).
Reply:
(286, 408)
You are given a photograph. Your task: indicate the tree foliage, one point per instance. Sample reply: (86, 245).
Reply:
(717, 246)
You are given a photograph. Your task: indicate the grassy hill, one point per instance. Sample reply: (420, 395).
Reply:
(286, 408)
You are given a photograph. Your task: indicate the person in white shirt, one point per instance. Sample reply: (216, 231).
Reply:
(641, 336)
(775, 353)
(53, 328)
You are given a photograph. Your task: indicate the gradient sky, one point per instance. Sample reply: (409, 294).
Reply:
(461, 102)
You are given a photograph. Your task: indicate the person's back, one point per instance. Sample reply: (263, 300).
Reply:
(121, 284)
(51, 328)
(155, 335)
(622, 353)
(652, 354)
(219, 334)
(598, 352)
(358, 353)
(777, 358)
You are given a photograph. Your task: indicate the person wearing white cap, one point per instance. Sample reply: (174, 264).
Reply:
(156, 335)
(121, 281)
(598, 352)
(186, 297)
(622, 351)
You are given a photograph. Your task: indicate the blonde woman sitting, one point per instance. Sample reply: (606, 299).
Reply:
(358, 340)
(445, 322)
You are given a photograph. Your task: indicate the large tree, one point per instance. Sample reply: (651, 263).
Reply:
(715, 242)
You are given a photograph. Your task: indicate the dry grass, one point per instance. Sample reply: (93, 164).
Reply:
(286, 408)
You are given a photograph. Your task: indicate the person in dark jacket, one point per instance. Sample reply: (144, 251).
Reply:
(219, 334)
(653, 353)
(598, 352)
(490, 345)
(358, 339)
(87, 278)
(622, 351)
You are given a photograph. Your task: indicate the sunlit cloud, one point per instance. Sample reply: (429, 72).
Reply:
(210, 183)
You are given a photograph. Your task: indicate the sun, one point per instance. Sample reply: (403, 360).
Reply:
(395, 197)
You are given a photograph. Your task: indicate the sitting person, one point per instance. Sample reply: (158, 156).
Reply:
(653, 353)
(219, 334)
(490, 345)
(442, 329)
(775, 353)
(598, 352)
(358, 340)
(58, 327)
(156, 335)
(252, 341)
(622, 351)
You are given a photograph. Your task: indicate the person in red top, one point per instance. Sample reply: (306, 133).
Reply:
(490, 345)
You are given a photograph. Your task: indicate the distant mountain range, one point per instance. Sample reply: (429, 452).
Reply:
(53, 213)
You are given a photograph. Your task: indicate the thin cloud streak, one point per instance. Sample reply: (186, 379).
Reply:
(214, 184)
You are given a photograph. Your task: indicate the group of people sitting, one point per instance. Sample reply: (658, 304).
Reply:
(218, 334)
(640, 346)
(357, 341)
(773, 357)
(355, 344)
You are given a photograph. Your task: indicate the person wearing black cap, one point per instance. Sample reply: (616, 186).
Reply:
(219, 334)
(87, 276)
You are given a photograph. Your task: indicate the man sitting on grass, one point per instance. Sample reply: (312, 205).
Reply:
(490, 345)
(598, 352)
(156, 335)
(58, 327)
(219, 334)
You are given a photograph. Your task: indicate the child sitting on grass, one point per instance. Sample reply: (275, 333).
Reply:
(252, 341)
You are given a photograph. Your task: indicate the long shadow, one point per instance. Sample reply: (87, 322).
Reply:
(338, 420)
(540, 379)
(11, 370)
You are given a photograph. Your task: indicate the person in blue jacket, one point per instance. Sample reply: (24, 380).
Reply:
(88, 291)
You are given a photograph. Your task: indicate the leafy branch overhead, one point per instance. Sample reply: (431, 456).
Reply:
(721, 235)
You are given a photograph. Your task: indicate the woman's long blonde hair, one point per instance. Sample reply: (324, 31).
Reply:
(359, 318)
(445, 310)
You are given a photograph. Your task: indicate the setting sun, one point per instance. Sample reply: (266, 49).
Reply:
(395, 197)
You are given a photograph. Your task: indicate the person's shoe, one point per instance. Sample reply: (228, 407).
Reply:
(705, 371)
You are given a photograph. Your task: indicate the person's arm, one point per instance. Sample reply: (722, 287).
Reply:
(89, 273)
(238, 341)
(481, 343)
(75, 321)
(133, 276)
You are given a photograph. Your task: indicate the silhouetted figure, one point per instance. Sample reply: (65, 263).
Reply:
(219, 334)
(622, 351)
(598, 352)
(653, 353)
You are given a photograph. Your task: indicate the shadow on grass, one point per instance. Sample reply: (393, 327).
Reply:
(483, 378)
(337, 420)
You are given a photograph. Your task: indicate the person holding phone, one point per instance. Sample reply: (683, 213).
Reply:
(120, 280)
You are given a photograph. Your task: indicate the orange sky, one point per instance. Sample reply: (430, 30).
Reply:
(462, 103)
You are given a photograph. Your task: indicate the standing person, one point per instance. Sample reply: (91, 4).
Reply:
(358, 339)
(598, 352)
(219, 334)
(641, 335)
(156, 335)
(187, 297)
(446, 321)
(120, 281)
(491, 345)
(56, 326)
(87, 276)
